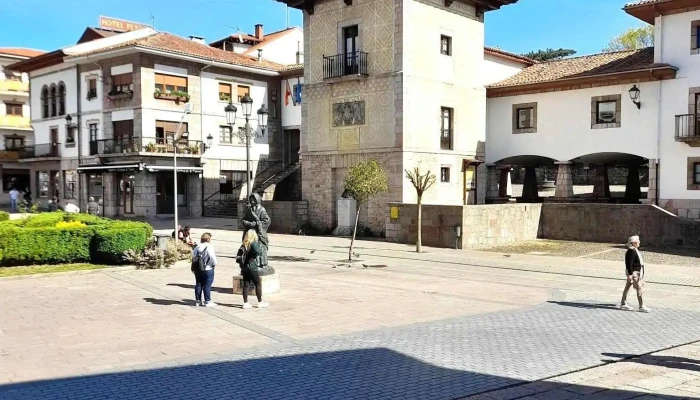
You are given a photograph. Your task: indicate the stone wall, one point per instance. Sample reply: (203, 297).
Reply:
(684, 208)
(613, 223)
(287, 217)
(437, 224)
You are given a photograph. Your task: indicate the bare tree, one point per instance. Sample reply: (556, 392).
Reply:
(421, 183)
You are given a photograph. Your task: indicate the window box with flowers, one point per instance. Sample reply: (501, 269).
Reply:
(118, 95)
(176, 96)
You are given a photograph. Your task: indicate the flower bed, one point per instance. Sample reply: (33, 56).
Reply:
(58, 237)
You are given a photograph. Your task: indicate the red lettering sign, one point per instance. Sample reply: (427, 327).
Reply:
(119, 25)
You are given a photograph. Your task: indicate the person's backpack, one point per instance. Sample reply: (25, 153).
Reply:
(241, 256)
(201, 260)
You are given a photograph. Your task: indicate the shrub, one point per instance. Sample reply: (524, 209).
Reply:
(111, 242)
(4, 216)
(151, 257)
(44, 219)
(70, 225)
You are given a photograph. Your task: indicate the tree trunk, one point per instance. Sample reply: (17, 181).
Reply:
(354, 232)
(419, 242)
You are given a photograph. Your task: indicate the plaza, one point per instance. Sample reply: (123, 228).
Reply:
(444, 324)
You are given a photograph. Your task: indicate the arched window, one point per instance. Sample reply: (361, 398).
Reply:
(61, 98)
(45, 102)
(53, 101)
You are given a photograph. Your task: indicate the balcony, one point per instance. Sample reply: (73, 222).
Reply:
(446, 139)
(9, 155)
(146, 145)
(15, 122)
(348, 64)
(47, 150)
(14, 87)
(688, 129)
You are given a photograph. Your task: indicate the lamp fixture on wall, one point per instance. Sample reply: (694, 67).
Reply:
(69, 122)
(634, 95)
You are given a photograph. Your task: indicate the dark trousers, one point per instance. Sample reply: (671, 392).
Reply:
(250, 279)
(204, 280)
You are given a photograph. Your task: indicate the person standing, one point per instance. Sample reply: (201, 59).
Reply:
(249, 258)
(203, 264)
(93, 208)
(14, 197)
(634, 267)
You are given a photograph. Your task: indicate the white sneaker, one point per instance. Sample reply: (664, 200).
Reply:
(263, 304)
(197, 303)
(625, 307)
(210, 304)
(644, 309)
(247, 306)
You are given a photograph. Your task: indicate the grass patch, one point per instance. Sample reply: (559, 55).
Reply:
(45, 269)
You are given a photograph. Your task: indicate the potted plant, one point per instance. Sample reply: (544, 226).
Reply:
(151, 148)
(194, 149)
(224, 97)
(157, 94)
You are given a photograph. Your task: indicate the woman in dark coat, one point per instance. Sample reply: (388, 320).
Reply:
(634, 267)
(249, 258)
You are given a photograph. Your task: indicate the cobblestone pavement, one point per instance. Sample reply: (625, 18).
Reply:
(441, 325)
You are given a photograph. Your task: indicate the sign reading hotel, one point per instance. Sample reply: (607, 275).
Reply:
(119, 25)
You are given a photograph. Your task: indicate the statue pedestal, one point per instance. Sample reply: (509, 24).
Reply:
(347, 211)
(270, 284)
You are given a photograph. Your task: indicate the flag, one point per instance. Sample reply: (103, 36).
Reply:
(287, 93)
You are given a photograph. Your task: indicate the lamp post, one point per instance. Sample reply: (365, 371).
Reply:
(247, 134)
(176, 137)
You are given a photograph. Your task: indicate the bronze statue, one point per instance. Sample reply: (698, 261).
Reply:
(256, 218)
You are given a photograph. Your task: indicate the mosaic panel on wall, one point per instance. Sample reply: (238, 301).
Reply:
(349, 113)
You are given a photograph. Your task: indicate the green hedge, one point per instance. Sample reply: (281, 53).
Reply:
(4, 216)
(37, 240)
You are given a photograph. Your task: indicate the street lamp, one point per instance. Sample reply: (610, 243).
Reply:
(634, 95)
(210, 141)
(176, 137)
(247, 133)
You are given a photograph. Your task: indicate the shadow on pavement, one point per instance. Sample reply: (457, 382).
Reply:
(213, 289)
(168, 302)
(672, 362)
(585, 305)
(372, 373)
(288, 258)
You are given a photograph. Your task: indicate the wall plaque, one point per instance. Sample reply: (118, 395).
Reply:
(349, 113)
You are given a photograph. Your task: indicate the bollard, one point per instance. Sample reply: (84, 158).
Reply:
(162, 240)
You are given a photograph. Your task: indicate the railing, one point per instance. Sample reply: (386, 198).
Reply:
(446, 139)
(345, 65)
(9, 155)
(272, 169)
(687, 127)
(40, 151)
(137, 144)
(14, 86)
(15, 121)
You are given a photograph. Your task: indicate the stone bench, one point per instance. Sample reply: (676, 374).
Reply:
(270, 284)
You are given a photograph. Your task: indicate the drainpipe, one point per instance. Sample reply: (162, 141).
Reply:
(79, 127)
(201, 121)
(659, 42)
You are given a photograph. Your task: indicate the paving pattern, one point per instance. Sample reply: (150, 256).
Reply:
(437, 360)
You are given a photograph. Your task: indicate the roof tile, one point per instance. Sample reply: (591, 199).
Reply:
(21, 52)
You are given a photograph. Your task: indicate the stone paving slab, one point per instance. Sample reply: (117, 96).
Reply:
(438, 360)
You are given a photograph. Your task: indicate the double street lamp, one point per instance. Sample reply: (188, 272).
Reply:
(247, 133)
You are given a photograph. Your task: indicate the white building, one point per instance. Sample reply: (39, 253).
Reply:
(632, 108)
(15, 127)
(282, 47)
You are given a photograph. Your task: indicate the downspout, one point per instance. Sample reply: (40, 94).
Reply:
(79, 127)
(658, 41)
(201, 123)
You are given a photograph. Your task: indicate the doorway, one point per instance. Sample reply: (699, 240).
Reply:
(292, 143)
(351, 47)
(125, 192)
(165, 187)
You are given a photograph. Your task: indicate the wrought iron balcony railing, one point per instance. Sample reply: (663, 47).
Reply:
(345, 65)
(137, 144)
(45, 150)
(688, 127)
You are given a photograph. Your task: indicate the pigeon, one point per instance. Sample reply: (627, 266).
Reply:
(313, 251)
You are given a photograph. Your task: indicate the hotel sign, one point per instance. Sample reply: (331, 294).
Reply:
(119, 25)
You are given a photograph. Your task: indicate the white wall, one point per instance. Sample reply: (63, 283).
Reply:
(291, 114)
(564, 125)
(282, 50)
(496, 69)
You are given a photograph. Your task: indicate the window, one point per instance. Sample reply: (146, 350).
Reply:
(123, 129)
(61, 99)
(122, 84)
(696, 173)
(93, 132)
(229, 180)
(445, 45)
(695, 37)
(225, 91)
(444, 174)
(446, 129)
(166, 130)
(242, 91)
(92, 88)
(606, 112)
(53, 101)
(170, 83)
(525, 117)
(70, 179)
(42, 181)
(45, 102)
(70, 137)
(15, 179)
(225, 134)
(13, 109)
(14, 142)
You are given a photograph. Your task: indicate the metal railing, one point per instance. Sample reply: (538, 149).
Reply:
(137, 144)
(40, 151)
(345, 64)
(446, 139)
(687, 127)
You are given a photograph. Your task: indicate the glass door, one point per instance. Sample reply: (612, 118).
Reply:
(350, 43)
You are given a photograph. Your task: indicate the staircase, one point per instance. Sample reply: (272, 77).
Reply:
(266, 188)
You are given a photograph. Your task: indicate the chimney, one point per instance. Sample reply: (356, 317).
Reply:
(300, 54)
(259, 32)
(197, 39)
(260, 54)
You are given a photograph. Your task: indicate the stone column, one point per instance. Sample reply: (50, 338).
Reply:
(530, 192)
(633, 190)
(505, 187)
(492, 183)
(564, 185)
(601, 182)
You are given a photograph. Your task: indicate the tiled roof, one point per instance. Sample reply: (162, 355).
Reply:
(643, 3)
(174, 44)
(506, 54)
(20, 52)
(578, 67)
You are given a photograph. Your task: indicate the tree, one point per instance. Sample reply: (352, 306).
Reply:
(549, 54)
(421, 183)
(632, 39)
(363, 182)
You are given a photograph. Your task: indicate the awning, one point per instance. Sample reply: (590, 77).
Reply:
(466, 162)
(183, 169)
(109, 168)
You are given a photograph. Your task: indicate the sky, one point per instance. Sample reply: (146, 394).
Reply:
(583, 25)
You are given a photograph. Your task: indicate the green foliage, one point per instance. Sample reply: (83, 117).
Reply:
(110, 244)
(44, 219)
(632, 39)
(4, 216)
(366, 180)
(549, 54)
